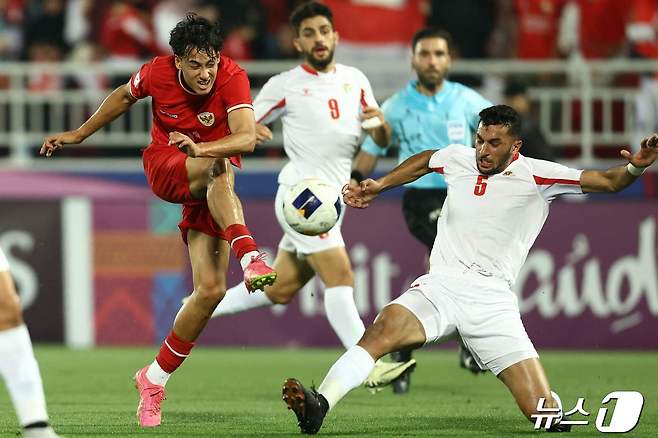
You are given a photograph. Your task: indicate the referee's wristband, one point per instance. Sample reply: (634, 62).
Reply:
(634, 170)
(356, 175)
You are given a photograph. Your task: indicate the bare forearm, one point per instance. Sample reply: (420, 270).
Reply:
(620, 178)
(409, 170)
(234, 144)
(382, 135)
(612, 180)
(365, 163)
(117, 103)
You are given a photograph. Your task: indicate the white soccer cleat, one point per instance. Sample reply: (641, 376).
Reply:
(385, 373)
(40, 432)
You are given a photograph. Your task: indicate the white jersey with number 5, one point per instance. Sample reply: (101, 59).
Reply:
(489, 223)
(321, 119)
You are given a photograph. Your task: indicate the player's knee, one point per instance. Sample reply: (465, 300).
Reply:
(10, 312)
(378, 338)
(346, 276)
(341, 276)
(280, 295)
(222, 184)
(210, 292)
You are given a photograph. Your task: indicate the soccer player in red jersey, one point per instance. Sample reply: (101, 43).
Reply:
(203, 120)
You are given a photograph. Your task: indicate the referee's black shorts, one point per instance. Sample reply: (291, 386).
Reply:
(421, 209)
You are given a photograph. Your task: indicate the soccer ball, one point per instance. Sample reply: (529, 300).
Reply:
(312, 206)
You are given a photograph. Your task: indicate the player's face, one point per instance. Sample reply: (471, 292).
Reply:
(494, 148)
(317, 41)
(431, 61)
(199, 70)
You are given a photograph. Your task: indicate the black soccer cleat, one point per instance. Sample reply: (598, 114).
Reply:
(467, 361)
(310, 407)
(402, 384)
(559, 427)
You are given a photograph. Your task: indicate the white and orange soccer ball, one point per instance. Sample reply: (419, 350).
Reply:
(312, 206)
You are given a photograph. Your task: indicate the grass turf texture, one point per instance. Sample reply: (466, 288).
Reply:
(237, 392)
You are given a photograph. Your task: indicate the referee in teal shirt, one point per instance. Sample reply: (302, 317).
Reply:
(429, 113)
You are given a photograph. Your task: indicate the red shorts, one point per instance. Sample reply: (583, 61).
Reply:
(166, 173)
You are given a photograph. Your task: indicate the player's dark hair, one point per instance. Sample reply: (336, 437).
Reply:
(431, 32)
(309, 10)
(195, 32)
(502, 115)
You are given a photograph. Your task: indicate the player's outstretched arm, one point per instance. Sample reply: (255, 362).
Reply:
(242, 139)
(620, 177)
(409, 170)
(117, 103)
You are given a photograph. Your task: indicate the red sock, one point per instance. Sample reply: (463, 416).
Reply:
(173, 352)
(240, 239)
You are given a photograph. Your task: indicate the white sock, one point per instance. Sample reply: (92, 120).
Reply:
(238, 299)
(157, 375)
(20, 370)
(346, 374)
(342, 314)
(246, 259)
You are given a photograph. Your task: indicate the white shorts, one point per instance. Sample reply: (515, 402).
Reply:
(294, 242)
(482, 310)
(4, 263)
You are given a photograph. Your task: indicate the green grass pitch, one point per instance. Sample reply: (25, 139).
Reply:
(237, 392)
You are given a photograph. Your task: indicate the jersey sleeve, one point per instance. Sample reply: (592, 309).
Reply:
(236, 93)
(140, 82)
(367, 95)
(270, 104)
(554, 179)
(442, 158)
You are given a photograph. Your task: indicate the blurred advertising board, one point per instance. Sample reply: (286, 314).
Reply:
(590, 281)
(31, 238)
(108, 267)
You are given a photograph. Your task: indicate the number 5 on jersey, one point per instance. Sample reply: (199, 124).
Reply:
(480, 185)
(333, 108)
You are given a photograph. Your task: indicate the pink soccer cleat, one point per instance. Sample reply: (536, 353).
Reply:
(257, 274)
(150, 397)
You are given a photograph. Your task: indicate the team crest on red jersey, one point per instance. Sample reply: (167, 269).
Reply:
(206, 118)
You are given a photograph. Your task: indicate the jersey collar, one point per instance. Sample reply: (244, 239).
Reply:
(411, 89)
(314, 72)
(181, 82)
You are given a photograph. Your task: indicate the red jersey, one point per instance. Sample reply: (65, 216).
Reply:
(364, 22)
(602, 27)
(203, 118)
(538, 22)
(125, 32)
(644, 18)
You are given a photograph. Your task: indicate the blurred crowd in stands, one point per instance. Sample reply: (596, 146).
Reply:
(129, 31)
(86, 30)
